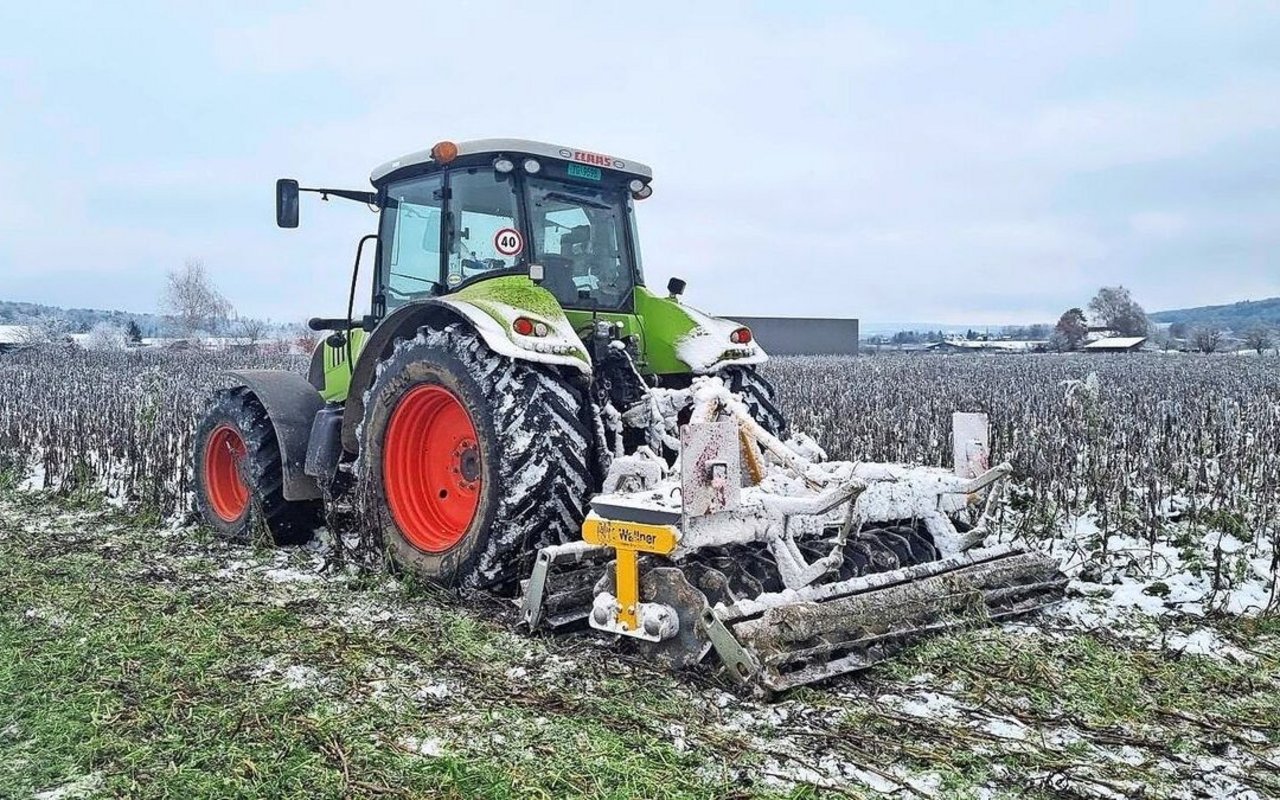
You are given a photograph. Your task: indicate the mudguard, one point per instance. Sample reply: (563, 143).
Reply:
(291, 404)
(488, 307)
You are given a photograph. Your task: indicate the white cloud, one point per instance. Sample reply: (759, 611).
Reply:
(883, 164)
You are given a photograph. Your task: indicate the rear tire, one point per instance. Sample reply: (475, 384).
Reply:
(758, 395)
(239, 477)
(512, 477)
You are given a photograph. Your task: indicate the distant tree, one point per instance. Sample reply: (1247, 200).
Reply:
(105, 336)
(1038, 331)
(47, 330)
(1161, 338)
(971, 335)
(1258, 338)
(1114, 308)
(1206, 339)
(304, 339)
(1070, 331)
(192, 302)
(133, 332)
(1179, 330)
(249, 329)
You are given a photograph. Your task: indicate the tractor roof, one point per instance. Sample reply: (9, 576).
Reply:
(517, 146)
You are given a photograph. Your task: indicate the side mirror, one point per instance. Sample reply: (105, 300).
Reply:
(287, 203)
(675, 287)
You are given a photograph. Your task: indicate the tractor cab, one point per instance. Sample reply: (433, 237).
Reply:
(535, 246)
(461, 213)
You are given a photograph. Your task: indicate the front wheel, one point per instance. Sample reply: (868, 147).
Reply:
(759, 396)
(472, 460)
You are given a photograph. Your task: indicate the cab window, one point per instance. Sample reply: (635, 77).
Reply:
(579, 237)
(483, 227)
(410, 238)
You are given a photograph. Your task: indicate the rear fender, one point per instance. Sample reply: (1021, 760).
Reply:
(489, 308)
(291, 404)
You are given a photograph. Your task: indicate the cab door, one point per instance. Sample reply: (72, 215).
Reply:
(410, 240)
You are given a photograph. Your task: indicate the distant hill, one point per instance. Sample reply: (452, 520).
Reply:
(1238, 317)
(81, 319)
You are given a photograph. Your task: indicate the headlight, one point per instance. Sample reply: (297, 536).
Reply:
(532, 166)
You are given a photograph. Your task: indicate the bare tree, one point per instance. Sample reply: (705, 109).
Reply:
(105, 336)
(1258, 339)
(192, 302)
(1114, 308)
(47, 330)
(1206, 339)
(1160, 338)
(304, 339)
(249, 329)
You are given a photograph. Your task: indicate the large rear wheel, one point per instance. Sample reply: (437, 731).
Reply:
(239, 477)
(472, 460)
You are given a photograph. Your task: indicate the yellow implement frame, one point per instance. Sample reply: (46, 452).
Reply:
(629, 539)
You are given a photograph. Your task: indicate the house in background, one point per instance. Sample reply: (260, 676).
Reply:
(1116, 344)
(13, 336)
(985, 346)
(796, 336)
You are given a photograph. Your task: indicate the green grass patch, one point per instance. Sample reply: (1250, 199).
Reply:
(122, 655)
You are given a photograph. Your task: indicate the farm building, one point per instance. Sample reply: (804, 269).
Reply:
(800, 336)
(1116, 344)
(13, 336)
(981, 346)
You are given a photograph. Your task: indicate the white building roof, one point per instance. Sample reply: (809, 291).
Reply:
(1116, 343)
(13, 334)
(1012, 345)
(518, 146)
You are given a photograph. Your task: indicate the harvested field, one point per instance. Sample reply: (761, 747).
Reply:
(141, 657)
(150, 661)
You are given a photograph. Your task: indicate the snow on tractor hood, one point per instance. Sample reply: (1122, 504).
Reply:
(708, 347)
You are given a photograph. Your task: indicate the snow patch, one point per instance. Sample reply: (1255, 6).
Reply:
(80, 787)
(429, 747)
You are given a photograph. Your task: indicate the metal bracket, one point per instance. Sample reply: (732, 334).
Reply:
(535, 587)
(742, 666)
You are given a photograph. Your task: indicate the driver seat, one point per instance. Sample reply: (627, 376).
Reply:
(558, 278)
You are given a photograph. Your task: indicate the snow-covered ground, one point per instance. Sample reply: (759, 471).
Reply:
(969, 715)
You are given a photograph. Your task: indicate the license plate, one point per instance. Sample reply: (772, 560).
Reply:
(579, 171)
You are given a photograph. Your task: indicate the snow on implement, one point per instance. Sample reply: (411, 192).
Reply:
(510, 409)
(805, 571)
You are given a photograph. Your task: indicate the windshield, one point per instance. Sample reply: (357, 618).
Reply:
(580, 240)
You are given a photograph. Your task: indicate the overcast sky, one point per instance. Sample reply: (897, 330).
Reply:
(958, 162)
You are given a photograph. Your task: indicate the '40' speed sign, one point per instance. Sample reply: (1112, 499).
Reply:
(508, 241)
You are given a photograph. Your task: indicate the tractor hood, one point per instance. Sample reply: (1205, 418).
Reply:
(707, 347)
(680, 339)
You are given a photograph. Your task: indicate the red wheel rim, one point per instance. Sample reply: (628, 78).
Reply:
(223, 453)
(431, 469)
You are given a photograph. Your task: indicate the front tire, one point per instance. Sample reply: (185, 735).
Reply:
(758, 395)
(239, 476)
(472, 460)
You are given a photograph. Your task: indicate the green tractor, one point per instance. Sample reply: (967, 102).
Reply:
(508, 356)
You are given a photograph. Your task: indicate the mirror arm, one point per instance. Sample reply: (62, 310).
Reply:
(368, 198)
